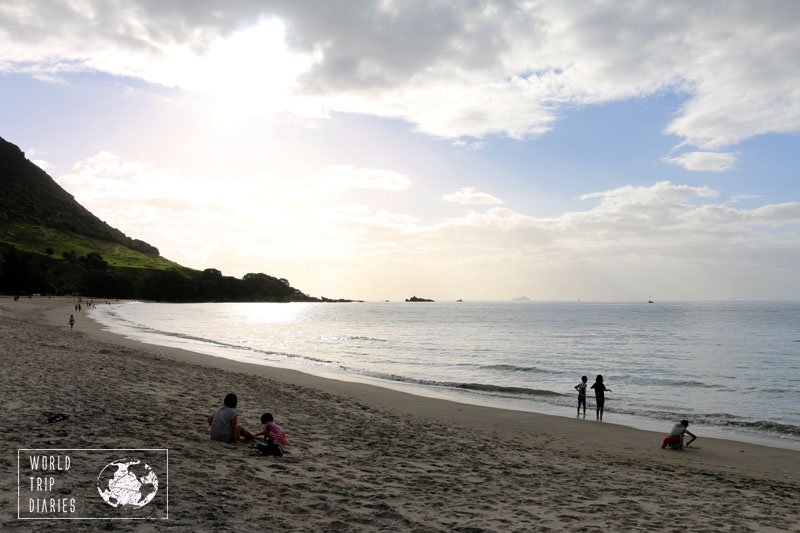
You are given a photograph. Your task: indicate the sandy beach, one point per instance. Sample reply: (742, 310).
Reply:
(362, 458)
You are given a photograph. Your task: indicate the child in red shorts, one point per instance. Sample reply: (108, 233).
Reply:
(675, 438)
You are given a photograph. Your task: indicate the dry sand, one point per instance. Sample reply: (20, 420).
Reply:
(362, 458)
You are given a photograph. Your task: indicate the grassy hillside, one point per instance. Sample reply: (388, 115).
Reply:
(37, 239)
(37, 259)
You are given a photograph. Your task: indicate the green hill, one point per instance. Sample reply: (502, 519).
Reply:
(50, 244)
(37, 239)
(30, 195)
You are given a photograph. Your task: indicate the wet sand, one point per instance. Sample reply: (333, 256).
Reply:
(362, 458)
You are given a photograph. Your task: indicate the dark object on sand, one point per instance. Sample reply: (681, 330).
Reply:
(270, 448)
(59, 417)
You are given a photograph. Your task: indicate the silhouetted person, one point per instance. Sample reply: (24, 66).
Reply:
(581, 388)
(600, 395)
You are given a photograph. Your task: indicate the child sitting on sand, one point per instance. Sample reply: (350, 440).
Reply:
(273, 435)
(675, 438)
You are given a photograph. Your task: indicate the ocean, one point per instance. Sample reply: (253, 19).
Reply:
(731, 368)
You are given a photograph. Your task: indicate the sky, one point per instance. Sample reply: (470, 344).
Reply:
(445, 149)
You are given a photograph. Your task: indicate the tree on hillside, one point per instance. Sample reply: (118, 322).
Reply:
(269, 287)
(107, 284)
(211, 273)
(170, 285)
(93, 261)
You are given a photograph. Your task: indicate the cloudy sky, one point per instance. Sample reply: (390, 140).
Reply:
(449, 149)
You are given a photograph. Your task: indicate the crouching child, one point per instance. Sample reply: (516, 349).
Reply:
(674, 440)
(274, 437)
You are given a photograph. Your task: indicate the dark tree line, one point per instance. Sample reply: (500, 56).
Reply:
(26, 273)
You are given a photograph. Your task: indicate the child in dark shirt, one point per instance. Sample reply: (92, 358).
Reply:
(600, 395)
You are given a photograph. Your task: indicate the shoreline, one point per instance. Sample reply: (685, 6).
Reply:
(363, 457)
(625, 418)
(318, 380)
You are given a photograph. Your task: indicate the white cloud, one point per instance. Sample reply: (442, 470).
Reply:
(474, 145)
(737, 198)
(777, 215)
(652, 225)
(243, 223)
(452, 69)
(471, 196)
(35, 157)
(44, 165)
(176, 213)
(661, 193)
(674, 239)
(342, 177)
(704, 161)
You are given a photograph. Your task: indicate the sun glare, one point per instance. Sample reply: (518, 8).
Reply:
(272, 313)
(248, 73)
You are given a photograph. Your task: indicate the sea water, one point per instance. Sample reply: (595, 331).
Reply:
(731, 368)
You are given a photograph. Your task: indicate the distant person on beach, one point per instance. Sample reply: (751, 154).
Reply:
(225, 422)
(273, 435)
(600, 395)
(675, 438)
(581, 388)
(71, 321)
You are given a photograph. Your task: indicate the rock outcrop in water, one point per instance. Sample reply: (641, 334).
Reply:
(415, 299)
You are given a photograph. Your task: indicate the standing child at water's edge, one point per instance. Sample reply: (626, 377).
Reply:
(581, 388)
(600, 395)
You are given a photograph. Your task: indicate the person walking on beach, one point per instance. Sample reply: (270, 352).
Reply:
(675, 438)
(71, 321)
(581, 388)
(600, 395)
(225, 422)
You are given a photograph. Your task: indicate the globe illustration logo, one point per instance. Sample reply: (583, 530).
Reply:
(127, 483)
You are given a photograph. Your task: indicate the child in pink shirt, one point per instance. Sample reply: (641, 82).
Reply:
(274, 435)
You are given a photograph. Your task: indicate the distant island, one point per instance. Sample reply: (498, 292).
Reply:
(521, 299)
(415, 299)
